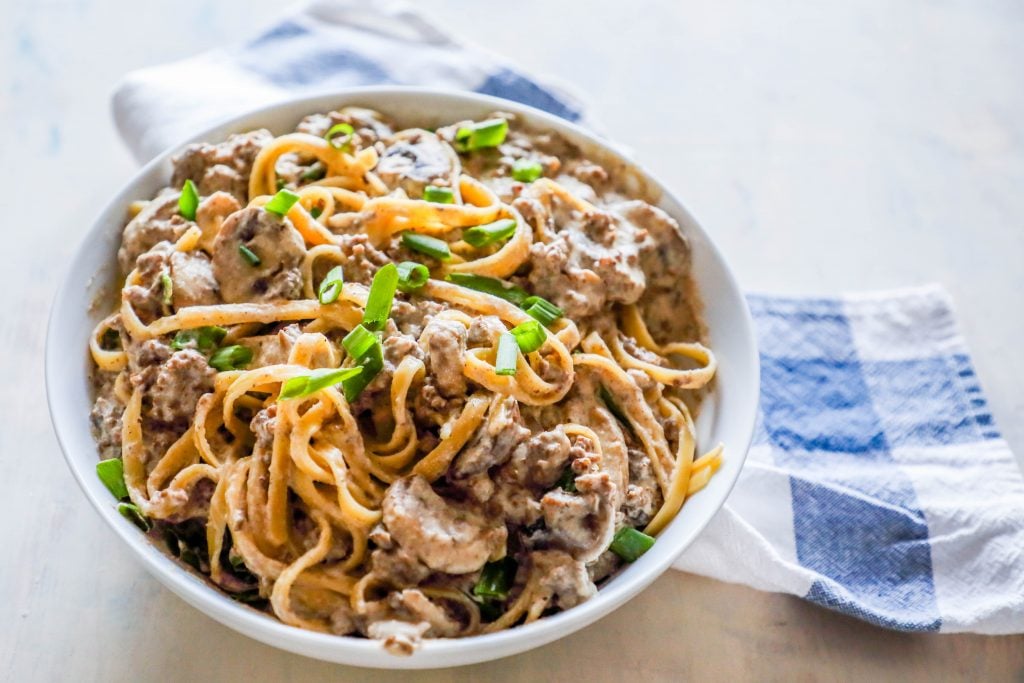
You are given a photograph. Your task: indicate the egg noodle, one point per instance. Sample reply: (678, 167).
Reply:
(322, 456)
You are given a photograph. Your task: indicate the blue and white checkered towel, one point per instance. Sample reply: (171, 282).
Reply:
(878, 484)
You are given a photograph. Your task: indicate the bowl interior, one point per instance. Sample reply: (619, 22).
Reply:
(727, 415)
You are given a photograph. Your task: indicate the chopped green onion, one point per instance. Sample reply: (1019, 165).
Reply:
(482, 235)
(380, 298)
(567, 481)
(249, 255)
(425, 244)
(167, 285)
(490, 285)
(316, 211)
(340, 136)
(280, 184)
(529, 335)
(630, 544)
(234, 357)
(526, 170)
(543, 310)
(304, 385)
(331, 285)
(188, 202)
(281, 202)
(203, 339)
(438, 195)
(412, 275)
(489, 133)
(111, 473)
(359, 341)
(371, 360)
(315, 172)
(507, 356)
(495, 579)
(110, 340)
(614, 409)
(133, 514)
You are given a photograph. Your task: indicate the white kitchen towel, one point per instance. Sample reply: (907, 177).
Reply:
(878, 484)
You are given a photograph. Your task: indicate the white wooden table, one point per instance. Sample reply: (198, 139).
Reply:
(827, 148)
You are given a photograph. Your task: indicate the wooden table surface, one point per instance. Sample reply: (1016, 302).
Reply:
(829, 147)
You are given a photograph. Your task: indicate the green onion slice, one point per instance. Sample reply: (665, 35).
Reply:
(331, 285)
(425, 244)
(304, 385)
(167, 284)
(316, 211)
(249, 255)
(340, 136)
(439, 195)
(234, 357)
(359, 341)
(203, 339)
(542, 310)
(526, 170)
(567, 481)
(111, 473)
(133, 514)
(495, 580)
(489, 133)
(507, 355)
(282, 202)
(490, 285)
(630, 544)
(315, 172)
(412, 275)
(370, 358)
(188, 202)
(529, 335)
(380, 298)
(482, 235)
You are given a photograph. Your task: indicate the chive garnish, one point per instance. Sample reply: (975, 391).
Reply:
(167, 285)
(368, 354)
(331, 285)
(340, 136)
(249, 255)
(482, 235)
(111, 473)
(490, 285)
(529, 335)
(133, 514)
(439, 195)
(507, 355)
(203, 339)
(630, 544)
(188, 202)
(304, 385)
(282, 202)
(526, 170)
(543, 310)
(315, 172)
(380, 298)
(412, 275)
(495, 580)
(234, 357)
(567, 482)
(489, 133)
(425, 244)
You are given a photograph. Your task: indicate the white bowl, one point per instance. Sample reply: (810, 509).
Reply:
(727, 416)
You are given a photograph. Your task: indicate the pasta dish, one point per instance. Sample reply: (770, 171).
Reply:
(401, 383)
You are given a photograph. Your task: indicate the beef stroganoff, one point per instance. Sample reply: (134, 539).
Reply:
(401, 383)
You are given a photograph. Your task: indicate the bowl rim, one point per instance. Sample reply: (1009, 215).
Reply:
(356, 650)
